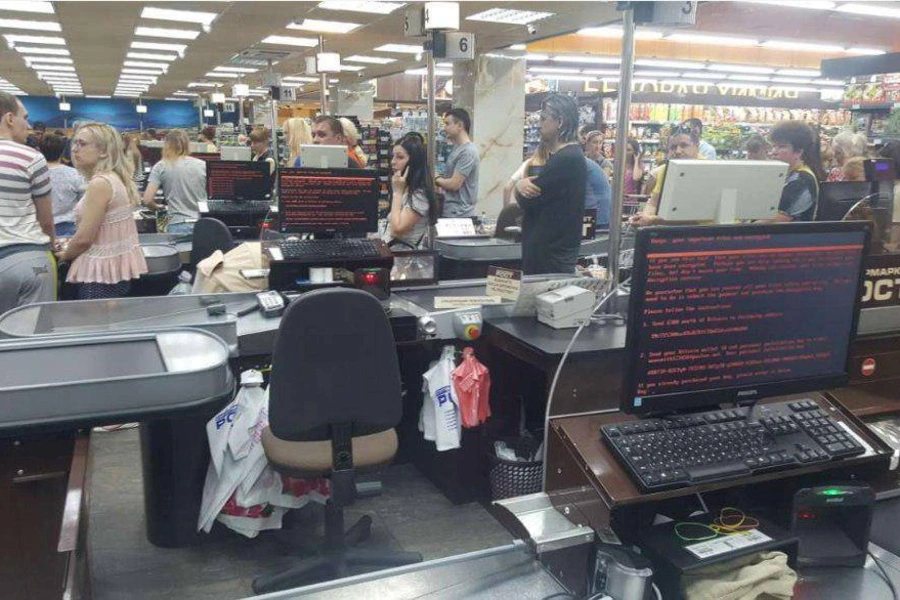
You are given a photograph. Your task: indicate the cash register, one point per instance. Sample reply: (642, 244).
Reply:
(336, 206)
(240, 194)
(721, 317)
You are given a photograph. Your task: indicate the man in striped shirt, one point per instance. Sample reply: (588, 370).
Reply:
(27, 268)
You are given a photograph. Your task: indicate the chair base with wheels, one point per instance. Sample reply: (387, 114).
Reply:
(337, 557)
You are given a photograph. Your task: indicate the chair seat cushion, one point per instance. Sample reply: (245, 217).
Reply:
(312, 459)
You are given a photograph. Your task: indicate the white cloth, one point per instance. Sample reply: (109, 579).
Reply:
(440, 404)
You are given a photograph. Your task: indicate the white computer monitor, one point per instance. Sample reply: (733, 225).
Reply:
(323, 157)
(235, 153)
(723, 191)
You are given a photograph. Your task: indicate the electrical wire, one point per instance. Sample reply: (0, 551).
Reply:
(887, 578)
(559, 367)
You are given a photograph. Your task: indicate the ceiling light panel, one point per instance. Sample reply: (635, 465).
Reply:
(745, 77)
(372, 60)
(205, 84)
(59, 60)
(320, 26)
(423, 71)
(30, 25)
(140, 45)
(229, 69)
(146, 78)
(300, 79)
(669, 64)
(42, 51)
(31, 7)
(151, 56)
(801, 46)
(15, 38)
(43, 67)
(98, 97)
(181, 16)
(656, 74)
(284, 40)
(592, 60)
(869, 10)
(865, 51)
(702, 75)
(223, 75)
(145, 65)
(175, 34)
(351, 68)
(715, 40)
(509, 16)
(741, 69)
(605, 72)
(375, 8)
(552, 70)
(400, 48)
(790, 80)
(798, 72)
(155, 72)
(616, 33)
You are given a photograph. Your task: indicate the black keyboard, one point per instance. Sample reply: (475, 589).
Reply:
(686, 450)
(319, 249)
(245, 206)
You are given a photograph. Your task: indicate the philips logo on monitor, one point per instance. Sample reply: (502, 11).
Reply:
(746, 393)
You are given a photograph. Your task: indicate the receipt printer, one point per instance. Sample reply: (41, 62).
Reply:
(569, 306)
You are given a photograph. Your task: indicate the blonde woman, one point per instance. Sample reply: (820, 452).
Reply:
(298, 133)
(351, 133)
(104, 252)
(183, 181)
(133, 155)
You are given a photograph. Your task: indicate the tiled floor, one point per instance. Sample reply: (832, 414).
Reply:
(410, 515)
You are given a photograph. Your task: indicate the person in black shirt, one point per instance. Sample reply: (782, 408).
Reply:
(553, 202)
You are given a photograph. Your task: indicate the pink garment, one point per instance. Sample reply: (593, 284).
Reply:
(836, 174)
(116, 254)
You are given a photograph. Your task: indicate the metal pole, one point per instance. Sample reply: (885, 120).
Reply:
(200, 114)
(431, 123)
(323, 81)
(623, 126)
(240, 126)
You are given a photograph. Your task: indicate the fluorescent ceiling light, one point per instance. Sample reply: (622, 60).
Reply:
(126, 95)
(14, 38)
(799, 72)
(607, 72)
(443, 65)
(59, 60)
(423, 71)
(56, 70)
(811, 4)
(183, 93)
(39, 50)
(320, 26)
(142, 72)
(32, 7)
(749, 86)
(223, 75)
(790, 80)
(98, 97)
(552, 70)
(353, 68)
(400, 48)
(746, 77)
(833, 82)
(615, 32)
(715, 40)
(203, 84)
(865, 51)
(689, 81)
(151, 56)
(375, 8)
(794, 88)
(537, 57)
(657, 74)
(591, 60)
(373, 60)
(146, 65)
(175, 34)
(48, 67)
(146, 78)
(300, 79)
(32, 25)
(139, 45)
(509, 16)
(669, 64)
(182, 16)
(870, 10)
(131, 86)
(517, 47)
(740, 69)
(285, 40)
(228, 69)
(170, 99)
(801, 46)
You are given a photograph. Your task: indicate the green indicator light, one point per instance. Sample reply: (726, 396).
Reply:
(832, 492)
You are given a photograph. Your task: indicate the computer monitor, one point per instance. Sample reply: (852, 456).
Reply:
(722, 191)
(323, 157)
(328, 200)
(880, 169)
(836, 198)
(735, 313)
(238, 180)
(236, 153)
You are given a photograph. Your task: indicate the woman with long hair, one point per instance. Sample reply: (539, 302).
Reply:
(183, 181)
(297, 133)
(105, 252)
(413, 209)
(634, 168)
(133, 155)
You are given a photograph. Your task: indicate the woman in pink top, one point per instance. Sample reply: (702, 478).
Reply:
(104, 252)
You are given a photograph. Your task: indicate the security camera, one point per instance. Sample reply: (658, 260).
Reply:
(531, 29)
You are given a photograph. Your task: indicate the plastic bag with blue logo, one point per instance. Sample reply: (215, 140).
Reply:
(440, 409)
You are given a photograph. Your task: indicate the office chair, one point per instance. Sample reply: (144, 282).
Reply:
(334, 400)
(510, 216)
(209, 235)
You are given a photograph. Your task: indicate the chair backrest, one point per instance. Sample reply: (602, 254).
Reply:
(334, 362)
(510, 216)
(209, 235)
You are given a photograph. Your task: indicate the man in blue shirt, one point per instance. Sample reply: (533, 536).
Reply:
(706, 149)
(597, 193)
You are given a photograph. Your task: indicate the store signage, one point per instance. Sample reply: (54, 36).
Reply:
(454, 46)
(881, 283)
(721, 89)
(504, 283)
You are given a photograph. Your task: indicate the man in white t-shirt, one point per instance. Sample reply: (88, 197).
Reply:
(27, 267)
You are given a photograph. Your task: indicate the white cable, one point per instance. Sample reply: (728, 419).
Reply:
(559, 367)
(657, 592)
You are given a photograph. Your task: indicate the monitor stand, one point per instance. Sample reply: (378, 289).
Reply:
(726, 213)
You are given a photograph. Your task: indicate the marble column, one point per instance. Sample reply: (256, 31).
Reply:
(354, 100)
(492, 89)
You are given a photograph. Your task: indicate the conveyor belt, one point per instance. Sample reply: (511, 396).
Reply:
(483, 249)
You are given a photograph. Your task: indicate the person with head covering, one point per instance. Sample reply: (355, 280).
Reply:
(553, 201)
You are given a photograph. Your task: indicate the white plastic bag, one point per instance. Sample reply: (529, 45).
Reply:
(440, 405)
